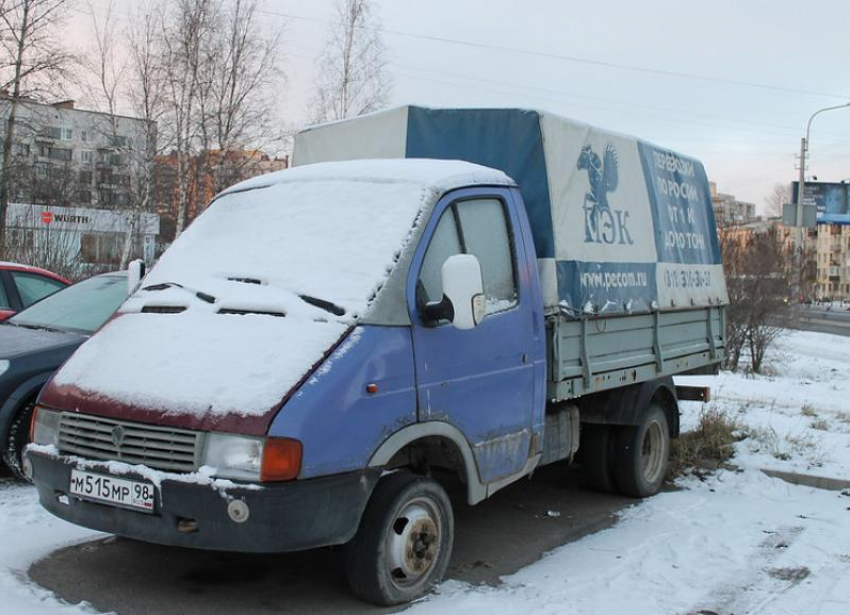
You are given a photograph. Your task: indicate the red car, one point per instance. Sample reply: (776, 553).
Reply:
(22, 285)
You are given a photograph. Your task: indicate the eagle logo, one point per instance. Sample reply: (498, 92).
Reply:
(603, 174)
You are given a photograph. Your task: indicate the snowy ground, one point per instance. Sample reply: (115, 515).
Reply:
(738, 542)
(28, 533)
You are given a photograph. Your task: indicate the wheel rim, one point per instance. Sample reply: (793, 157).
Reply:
(413, 543)
(652, 452)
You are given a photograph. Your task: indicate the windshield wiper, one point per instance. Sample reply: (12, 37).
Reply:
(34, 327)
(199, 294)
(328, 306)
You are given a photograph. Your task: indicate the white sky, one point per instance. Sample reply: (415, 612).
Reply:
(747, 136)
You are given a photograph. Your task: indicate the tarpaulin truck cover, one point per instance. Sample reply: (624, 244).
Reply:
(619, 224)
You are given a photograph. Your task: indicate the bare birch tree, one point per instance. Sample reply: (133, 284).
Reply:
(223, 79)
(245, 79)
(129, 76)
(32, 65)
(185, 28)
(774, 201)
(759, 275)
(352, 70)
(146, 92)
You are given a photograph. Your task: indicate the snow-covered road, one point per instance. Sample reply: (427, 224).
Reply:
(738, 542)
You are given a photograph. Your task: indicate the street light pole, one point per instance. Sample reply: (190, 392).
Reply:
(804, 147)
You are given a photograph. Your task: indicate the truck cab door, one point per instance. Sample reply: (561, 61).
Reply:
(483, 381)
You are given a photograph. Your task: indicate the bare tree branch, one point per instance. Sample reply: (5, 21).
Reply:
(35, 66)
(352, 76)
(780, 195)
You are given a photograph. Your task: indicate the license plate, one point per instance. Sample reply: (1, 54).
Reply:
(132, 494)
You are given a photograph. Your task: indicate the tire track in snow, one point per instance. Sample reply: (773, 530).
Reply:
(763, 582)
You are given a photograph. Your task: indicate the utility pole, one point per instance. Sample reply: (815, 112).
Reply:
(801, 188)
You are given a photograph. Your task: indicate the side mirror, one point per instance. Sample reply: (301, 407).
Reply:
(135, 272)
(464, 288)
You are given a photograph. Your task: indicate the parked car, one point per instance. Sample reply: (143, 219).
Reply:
(323, 345)
(22, 285)
(36, 341)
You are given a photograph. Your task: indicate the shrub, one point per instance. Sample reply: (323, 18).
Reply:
(706, 447)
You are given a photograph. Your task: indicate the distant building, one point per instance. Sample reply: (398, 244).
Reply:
(71, 157)
(833, 261)
(826, 249)
(208, 173)
(730, 211)
(73, 177)
(827, 257)
(92, 237)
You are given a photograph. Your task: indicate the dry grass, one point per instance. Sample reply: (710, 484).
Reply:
(803, 445)
(808, 410)
(705, 448)
(820, 424)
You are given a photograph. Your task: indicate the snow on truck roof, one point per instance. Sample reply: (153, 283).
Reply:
(437, 175)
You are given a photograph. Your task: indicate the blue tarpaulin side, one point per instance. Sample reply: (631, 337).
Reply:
(623, 286)
(618, 223)
(506, 139)
(680, 202)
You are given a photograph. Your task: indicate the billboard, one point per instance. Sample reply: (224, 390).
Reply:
(832, 200)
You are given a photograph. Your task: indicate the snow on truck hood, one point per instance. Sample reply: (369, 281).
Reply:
(261, 286)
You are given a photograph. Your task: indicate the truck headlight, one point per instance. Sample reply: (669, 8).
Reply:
(238, 457)
(45, 426)
(253, 459)
(4, 366)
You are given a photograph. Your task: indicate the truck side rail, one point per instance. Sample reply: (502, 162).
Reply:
(597, 353)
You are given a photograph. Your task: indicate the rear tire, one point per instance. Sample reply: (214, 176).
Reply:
(642, 453)
(597, 457)
(17, 439)
(404, 542)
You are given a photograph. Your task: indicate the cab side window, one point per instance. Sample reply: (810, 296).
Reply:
(485, 230)
(444, 243)
(478, 227)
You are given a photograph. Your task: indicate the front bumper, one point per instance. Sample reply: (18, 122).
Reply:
(283, 517)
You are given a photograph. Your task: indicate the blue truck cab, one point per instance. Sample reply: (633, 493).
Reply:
(243, 400)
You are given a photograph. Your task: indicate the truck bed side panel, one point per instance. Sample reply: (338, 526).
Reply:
(595, 354)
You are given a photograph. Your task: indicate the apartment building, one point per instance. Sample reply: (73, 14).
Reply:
(833, 261)
(67, 165)
(728, 210)
(72, 157)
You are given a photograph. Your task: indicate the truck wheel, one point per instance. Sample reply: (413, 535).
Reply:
(597, 457)
(17, 438)
(642, 453)
(404, 542)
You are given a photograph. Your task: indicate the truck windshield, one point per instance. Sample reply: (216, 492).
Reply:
(328, 243)
(81, 308)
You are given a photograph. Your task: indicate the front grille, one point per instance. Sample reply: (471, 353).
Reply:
(161, 448)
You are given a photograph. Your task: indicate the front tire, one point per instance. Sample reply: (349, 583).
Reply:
(17, 439)
(404, 542)
(642, 454)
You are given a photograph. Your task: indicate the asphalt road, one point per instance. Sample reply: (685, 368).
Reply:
(497, 537)
(835, 320)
